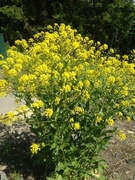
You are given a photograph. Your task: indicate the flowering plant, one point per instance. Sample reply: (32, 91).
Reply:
(73, 88)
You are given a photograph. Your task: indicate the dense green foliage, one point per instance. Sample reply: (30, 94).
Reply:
(111, 22)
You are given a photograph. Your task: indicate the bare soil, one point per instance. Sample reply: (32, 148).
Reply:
(120, 155)
(14, 153)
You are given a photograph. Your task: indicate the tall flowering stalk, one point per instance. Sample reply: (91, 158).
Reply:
(74, 88)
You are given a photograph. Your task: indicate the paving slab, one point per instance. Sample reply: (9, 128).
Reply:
(7, 104)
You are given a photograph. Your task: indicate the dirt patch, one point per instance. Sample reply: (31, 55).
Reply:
(120, 155)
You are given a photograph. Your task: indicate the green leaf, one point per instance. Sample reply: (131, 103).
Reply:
(60, 167)
(59, 177)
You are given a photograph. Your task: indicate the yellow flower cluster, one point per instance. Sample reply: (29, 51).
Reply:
(34, 148)
(22, 109)
(37, 104)
(57, 100)
(2, 87)
(8, 118)
(22, 43)
(78, 110)
(98, 119)
(122, 135)
(74, 125)
(61, 68)
(110, 121)
(1, 57)
(66, 88)
(48, 112)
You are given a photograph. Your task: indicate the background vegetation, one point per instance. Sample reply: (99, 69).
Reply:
(111, 22)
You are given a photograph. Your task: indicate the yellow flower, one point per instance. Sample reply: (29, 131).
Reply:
(37, 104)
(110, 121)
(22, 109)
(90, 42)
(31, 40)
(17, 42)
(86, 39)
(119, 81)
(80, 84)
(3, 85)
(124, 92)
(76, 126)
(122, 135)
(98, 119)
(23, 79)
(57, 100)
(10, 61)
(98, 84)
(2, 94)
(111, 79)
(128, 118)
(98, 43)
(48, 112)
(11, 115)
(49, 27)
(66, 76)
(8, 118)
(133, 100)
(71, 120)
(67, 88)
(105, 46)
(125, 103)
(86, 83)
(117, 105)
(111, 50)
(43, 79)
(125, 57)
(120, 114)
(85, 95)
(59, 66)
(75, 44)
(78, 110)
(73, 75)
(34, 148)
(18, 67)
(98, 53)
(12, 72)
(21, 89)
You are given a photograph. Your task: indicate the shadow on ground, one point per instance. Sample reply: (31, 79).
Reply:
(15, 152)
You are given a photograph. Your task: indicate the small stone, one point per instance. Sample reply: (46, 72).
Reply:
(3, 167)
(30, 178)
(127, 172)
(2, 134)
(3, 176)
